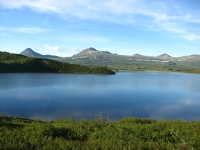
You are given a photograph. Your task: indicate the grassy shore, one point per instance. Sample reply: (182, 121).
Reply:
(128, 133)
(157, 68)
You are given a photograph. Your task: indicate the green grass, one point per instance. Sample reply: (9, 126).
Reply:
(156, 68)
(100, 134)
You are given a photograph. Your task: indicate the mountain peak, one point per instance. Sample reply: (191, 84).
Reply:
(137, 55)
(91, 49)
(31, 53)
(87, 51)
(28, 49)
(164, 56)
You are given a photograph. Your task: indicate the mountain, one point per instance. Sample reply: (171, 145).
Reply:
(30, 53)
(195, 55)
(164, 56)
(137, 55)
(163, 62)
(91, 51)
(15, 63)
(87, 51)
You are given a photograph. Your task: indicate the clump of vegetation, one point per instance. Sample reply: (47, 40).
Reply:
(128, 133)
(14, 63)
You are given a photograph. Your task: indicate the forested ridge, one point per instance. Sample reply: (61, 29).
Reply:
(15, 63)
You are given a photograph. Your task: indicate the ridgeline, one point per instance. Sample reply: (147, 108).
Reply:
(136, 62)
(15, 63)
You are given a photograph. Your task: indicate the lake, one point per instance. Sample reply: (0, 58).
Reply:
(146, 94)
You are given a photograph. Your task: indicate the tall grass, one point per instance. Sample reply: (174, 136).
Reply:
(127, 133)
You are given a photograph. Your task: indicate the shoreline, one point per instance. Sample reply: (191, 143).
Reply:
(127, 133)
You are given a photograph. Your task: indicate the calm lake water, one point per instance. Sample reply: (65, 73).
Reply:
(147, 94)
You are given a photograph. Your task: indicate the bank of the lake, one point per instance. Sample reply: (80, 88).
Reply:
(99, 133)
(157, 68)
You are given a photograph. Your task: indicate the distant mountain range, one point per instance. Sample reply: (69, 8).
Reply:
(30, 53)
(15, 63)
(93, 57)
(89, 51)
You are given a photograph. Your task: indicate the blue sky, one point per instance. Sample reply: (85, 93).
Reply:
(126, 27)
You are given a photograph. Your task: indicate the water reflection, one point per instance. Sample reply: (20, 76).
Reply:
(142, 94)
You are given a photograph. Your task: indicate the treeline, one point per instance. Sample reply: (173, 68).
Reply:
(14, 63)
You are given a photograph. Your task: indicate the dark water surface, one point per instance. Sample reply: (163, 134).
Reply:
(157, 95)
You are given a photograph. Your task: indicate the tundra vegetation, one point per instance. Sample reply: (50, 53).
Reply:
(100, 133)
(164, 62)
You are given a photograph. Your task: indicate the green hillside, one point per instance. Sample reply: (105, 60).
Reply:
(119, 62)
(93, 57)
(18, 133)
(136, 62)
(14, 63)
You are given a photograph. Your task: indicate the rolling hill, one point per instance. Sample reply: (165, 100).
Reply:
(163, 62)
(15, 63)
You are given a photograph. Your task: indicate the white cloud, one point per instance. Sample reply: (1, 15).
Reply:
(29, 30)
(170, 16)
(191, 37)
(39, 5)
(75, 49)
(54, 48)
(24, 29)
(104, 10)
